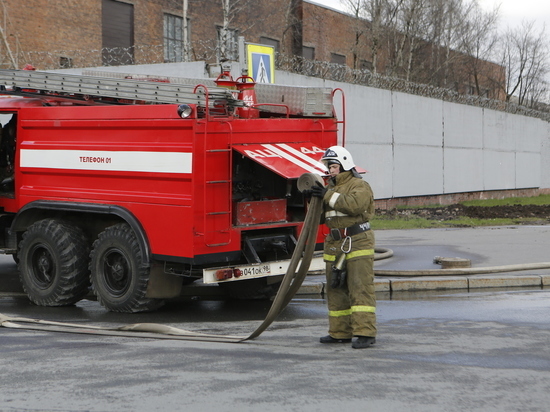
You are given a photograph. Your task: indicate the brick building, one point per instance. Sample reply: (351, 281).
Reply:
(52, 34)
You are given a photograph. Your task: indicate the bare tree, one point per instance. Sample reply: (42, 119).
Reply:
(360, 27)
(376, 23)
(451, 43)
(446, 18)
(294, 26)
(477, 41)
(526, 59)
(227, 37)
(228, 8)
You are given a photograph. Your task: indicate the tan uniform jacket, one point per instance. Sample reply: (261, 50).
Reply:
(348, 200)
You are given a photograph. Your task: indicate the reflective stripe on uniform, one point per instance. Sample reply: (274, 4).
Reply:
(364, 252)
(333, 199)
(334, 213)
(350, 255)
(370, 309)
(347, 312)
(337, 313)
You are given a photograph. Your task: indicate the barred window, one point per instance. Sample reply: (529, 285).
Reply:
(173, 38)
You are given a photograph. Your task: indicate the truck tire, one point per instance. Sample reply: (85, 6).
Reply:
(53, 263)
(118, 275)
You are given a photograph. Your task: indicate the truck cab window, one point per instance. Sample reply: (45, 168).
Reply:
(7, 152)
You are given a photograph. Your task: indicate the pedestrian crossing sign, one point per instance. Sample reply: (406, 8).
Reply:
(261, 63)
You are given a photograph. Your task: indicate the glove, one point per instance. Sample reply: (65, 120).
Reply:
(338, 278)
(318, 190)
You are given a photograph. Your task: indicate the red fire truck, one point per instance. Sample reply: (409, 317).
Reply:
(135, 188)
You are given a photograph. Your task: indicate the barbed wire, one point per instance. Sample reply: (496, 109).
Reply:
(345, 74)
(208, 51)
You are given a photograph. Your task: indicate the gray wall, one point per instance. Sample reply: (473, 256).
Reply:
(417, 146)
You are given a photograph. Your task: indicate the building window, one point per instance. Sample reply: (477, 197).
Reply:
(365, 65)
(65, 62)
(173, 38)
(337, 58)
(117, 26)
(308, 52)
(270, 42)
(228, 49)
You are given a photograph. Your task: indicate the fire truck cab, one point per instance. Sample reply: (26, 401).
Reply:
(133, 195)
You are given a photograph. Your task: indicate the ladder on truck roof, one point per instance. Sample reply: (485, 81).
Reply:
(80, 87)
(273, 98)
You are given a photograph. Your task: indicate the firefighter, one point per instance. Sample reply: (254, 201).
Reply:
(348, 205)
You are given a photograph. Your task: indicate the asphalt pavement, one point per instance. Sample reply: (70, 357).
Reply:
(435, 351)
(469, 349)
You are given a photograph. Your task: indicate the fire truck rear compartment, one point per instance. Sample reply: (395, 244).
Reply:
(262, 198)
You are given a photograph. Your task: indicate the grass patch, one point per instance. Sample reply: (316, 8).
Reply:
(509, 201)
(384, 223)
(414, 221)
(534, 200)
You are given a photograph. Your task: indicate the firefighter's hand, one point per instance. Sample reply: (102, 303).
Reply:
(338, 279)
(318, 190)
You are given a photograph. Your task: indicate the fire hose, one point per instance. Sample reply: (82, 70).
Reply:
(464, 271)
(290, 284)
(384, 253)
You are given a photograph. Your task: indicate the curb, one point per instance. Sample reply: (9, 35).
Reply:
(313, 286)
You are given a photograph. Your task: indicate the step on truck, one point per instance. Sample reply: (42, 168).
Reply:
(134, 187)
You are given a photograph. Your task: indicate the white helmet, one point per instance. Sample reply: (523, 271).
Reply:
(340, 155)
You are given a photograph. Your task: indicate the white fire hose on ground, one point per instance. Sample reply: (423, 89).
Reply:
(383, 253)
(289, 286)
(464, 271)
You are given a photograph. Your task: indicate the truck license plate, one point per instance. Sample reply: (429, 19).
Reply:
(260, 270)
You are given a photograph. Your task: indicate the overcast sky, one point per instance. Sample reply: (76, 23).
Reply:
(512, 12)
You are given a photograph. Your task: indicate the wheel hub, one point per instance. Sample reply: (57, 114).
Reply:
(42, 266)
(116, 272)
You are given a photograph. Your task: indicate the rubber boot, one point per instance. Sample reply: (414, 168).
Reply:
(330, 339)
(363, 342)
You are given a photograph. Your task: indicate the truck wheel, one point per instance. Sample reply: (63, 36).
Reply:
(117, 273)
(53, 263)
